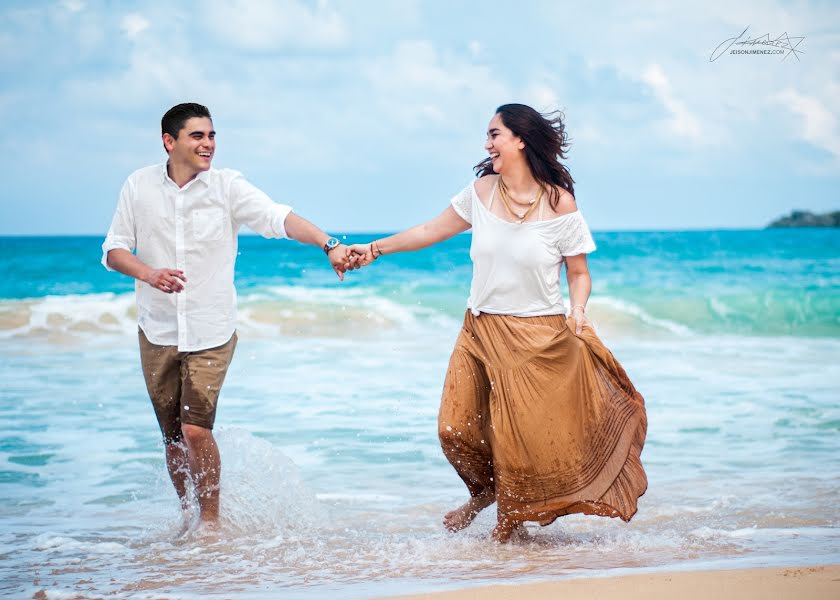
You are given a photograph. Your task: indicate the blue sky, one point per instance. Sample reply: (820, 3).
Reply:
(369, 115)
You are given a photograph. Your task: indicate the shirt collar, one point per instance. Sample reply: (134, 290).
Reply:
(202, 176)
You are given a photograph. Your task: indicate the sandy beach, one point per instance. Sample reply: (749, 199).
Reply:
(802, 583)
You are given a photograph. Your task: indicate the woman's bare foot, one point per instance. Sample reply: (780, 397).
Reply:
(461, 517)
(506, 529)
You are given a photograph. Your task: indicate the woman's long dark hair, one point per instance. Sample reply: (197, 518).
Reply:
(546, 143)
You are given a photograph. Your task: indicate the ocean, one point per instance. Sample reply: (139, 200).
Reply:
(333, 481)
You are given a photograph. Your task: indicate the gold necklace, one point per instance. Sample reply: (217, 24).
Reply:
(520, 216)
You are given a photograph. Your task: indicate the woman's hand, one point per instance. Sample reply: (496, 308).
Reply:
(579, 315)
(363, 253)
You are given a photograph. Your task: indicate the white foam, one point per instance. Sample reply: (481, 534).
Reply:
(50, 542)
(106, 312)
(719, 308)
(633, 310)
(358, 497)
(364, 297)
(320, 310)
(262, 492)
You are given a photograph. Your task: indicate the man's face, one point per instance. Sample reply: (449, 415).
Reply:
(195, 145)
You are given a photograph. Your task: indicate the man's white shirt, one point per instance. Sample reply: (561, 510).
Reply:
(193, 229)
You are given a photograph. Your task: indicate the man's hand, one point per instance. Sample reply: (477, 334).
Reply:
(342, 260)
(166, 280)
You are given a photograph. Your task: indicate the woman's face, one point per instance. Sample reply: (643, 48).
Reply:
(503, 146)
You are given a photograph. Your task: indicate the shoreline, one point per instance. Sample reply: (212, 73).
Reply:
(821, 582)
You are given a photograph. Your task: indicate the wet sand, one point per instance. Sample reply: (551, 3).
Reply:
(801, 583)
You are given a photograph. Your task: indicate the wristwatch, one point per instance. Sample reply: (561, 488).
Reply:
(330, 244)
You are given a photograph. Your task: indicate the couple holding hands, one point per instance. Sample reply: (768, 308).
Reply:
(536, 414)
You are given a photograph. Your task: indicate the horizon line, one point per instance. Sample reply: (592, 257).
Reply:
(468, 232)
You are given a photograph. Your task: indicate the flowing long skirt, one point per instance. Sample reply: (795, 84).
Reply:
(545, 418)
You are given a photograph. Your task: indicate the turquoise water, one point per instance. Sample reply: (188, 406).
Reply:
(333, 480)
(764, 282)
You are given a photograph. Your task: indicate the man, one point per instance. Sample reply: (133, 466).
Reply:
(182, 219)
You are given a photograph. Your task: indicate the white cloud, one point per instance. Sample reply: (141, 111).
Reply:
(542, 97)
(589, 134)
(416, 84)
(133, 25)
(718, 104)
(475, 48)
(73, 5)
(300, 84)
(680, 122)
(818, 124)
(263, 25)
(154, 75)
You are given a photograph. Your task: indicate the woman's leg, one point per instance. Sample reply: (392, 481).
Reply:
(464, 435)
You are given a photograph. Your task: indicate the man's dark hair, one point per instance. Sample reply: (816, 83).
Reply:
(174, 119)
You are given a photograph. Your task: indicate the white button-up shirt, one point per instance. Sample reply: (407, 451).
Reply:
(194, 229)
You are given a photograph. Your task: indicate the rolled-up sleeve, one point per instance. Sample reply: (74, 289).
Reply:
(122, 233)
(252, 207)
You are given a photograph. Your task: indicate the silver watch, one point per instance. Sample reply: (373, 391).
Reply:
(330, 244)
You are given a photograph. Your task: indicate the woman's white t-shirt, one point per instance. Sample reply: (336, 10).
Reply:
(516, 266)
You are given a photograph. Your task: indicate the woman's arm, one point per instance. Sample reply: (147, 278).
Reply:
(446, 225)
(580, 285)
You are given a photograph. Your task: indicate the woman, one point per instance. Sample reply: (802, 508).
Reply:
(536, 413)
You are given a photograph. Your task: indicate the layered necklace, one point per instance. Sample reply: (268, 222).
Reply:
(506, 200)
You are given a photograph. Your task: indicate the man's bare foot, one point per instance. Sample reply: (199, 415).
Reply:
(207, 530)
(507, 529)
(461, 517)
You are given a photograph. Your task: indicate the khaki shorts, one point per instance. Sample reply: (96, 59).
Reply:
(184, 386)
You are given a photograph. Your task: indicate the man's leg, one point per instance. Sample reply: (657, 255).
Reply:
(177, 463)
(206, 468)
(202, 376)
(162, 372)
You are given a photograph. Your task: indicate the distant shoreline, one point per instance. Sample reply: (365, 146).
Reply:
(804, 218)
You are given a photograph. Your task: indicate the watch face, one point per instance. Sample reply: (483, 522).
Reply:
(332, 243)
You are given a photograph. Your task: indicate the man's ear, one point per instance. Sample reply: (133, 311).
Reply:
(168, 142)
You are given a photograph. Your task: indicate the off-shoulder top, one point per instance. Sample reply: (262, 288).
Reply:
(516, 266)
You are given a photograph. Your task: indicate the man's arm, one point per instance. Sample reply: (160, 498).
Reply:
(118, 249)
(165, 280)
(306, 232)
(252, 207)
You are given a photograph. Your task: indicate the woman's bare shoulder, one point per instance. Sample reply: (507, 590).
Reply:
(565, 204)
(484, 187)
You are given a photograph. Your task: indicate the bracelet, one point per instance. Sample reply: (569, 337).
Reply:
(583, 306)
(374, 249)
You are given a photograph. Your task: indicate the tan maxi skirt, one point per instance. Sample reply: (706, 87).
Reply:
(545, 418)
